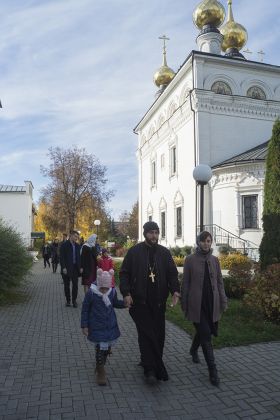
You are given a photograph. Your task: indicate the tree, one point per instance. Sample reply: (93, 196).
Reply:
(77, 183)
(133, 222)
(270, 245)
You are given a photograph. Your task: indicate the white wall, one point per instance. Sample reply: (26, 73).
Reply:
(16, 210)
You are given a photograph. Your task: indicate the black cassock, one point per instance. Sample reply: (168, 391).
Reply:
(149, 318)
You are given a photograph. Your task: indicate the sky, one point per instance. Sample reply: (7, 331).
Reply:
(80, 73)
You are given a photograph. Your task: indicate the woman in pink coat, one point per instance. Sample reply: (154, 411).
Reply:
(203, 300)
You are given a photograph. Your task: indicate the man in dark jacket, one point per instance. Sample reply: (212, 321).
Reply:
(70, 262)
(147, 276)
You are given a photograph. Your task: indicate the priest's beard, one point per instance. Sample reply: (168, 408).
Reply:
(153, 244)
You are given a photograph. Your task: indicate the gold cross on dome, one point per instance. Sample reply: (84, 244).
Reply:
(164, 38)
(152, 276)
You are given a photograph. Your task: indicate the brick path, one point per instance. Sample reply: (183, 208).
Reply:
(47, 369)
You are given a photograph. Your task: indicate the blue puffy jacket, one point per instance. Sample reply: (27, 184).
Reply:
(100, 319)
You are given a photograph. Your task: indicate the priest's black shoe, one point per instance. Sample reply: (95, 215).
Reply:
(75, 305)
(195, 357)
(150, 377)
(213, 376)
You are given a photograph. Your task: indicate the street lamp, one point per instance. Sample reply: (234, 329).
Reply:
(97, 223)
(202, 175)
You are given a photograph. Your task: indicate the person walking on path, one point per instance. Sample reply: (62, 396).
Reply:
(147, 275)
(203, 300)
(98, 319)
(54, 254)
(46, 254)
(89, 262)
(106, 263)
(64, 239)
(70, 262)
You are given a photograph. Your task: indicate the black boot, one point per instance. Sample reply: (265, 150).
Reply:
(210, 360)
(194, 348)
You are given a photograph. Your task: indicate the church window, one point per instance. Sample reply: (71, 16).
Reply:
(221, 88)
(162, 161)
(250, 211)
(178, 222)
(153, 173)
(256, 92)
(163, 222)
(173, 157)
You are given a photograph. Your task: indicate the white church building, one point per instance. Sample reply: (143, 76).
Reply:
(219, 110)
(17, 208)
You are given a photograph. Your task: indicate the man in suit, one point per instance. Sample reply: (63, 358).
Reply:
(70, 262)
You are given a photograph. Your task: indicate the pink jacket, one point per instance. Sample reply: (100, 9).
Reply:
(106, 263)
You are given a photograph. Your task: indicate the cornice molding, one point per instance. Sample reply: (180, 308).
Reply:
(204, 101)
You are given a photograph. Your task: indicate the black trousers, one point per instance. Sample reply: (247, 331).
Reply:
(150, 324)
(46, 261)
(67, 280)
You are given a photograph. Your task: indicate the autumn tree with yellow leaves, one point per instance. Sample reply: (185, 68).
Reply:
(76, 194)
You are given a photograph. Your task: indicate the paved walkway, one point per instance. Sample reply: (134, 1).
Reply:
(47, 369)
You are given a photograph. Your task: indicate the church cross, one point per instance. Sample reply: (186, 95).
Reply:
(261, 54)
(164, 38)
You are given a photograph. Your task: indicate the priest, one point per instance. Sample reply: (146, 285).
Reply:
(147, 275)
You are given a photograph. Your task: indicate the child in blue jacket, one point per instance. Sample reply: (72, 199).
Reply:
(98, 319)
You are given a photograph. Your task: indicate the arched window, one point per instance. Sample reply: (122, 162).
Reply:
(221, 88)
(256, 92)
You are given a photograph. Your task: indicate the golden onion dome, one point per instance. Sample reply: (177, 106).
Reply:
(164, 74)
(235, 35)
(209, 12)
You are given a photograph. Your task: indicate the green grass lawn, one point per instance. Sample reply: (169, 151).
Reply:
(238, 326)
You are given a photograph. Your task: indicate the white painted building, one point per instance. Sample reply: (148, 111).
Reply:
(217, 110)
(17, 208)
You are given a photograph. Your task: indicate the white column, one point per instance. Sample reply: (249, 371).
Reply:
(238, 211)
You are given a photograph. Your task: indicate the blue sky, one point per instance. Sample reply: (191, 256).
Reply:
(79, 72)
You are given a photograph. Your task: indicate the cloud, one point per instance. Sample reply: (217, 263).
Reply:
(80, 73)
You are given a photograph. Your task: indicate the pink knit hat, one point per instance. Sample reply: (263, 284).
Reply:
(104, 278)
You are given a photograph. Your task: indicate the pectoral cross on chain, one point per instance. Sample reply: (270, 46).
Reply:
(152, 276)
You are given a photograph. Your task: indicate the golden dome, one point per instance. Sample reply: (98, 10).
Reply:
(209, 12)
(235, 35)
(164, 74)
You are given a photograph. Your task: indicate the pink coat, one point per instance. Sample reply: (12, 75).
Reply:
(106, 263)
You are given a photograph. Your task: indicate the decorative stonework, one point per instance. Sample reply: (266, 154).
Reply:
(239, 175)
(256, 92)
(221, 88)
(221, 78)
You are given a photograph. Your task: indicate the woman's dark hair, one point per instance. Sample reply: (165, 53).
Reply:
(203, 236)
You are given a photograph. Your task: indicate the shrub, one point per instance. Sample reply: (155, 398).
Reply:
(264, 293)
(15, 260)
(176, 251)
(239, 276)
(230, 260)
(179, 261)
(117, 266)
(225, 249)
